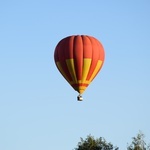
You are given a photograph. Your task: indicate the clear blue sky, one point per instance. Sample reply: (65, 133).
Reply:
(38, 109)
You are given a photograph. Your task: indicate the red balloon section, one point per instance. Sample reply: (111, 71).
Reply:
(79, 58)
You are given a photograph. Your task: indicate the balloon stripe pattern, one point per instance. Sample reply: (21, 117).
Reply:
(79, 58)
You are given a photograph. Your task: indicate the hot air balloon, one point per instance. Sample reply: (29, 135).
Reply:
(79, 58)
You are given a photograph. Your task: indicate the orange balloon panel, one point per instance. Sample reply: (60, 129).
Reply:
(79, 58)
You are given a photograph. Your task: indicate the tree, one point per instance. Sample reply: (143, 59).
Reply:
(90, 143)
(138, 143)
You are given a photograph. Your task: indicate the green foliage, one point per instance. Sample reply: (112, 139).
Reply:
(90, 143)
(138, 143)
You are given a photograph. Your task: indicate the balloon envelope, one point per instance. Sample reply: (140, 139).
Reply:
(79, 58)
